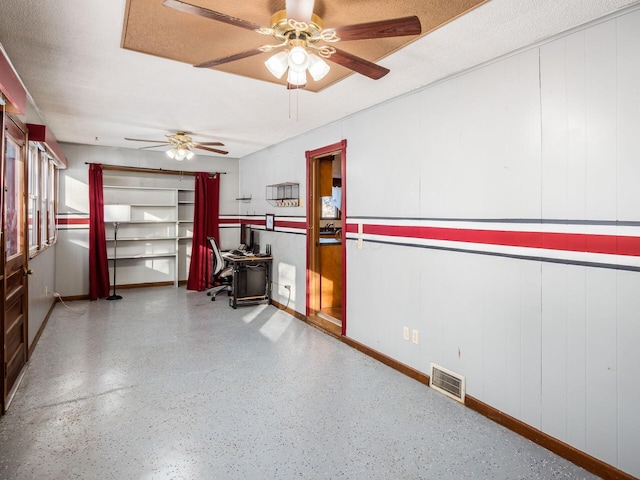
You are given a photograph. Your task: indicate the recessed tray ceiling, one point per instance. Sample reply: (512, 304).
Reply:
(151, 28)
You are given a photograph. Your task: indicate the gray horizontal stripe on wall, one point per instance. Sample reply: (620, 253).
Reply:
(610, 266)
(520, 221)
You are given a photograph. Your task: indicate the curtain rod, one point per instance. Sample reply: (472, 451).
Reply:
(120, 168)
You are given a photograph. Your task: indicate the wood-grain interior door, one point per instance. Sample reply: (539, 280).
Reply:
(327, 285)
(14, 255)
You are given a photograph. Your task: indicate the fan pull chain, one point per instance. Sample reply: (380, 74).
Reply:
(297, 103)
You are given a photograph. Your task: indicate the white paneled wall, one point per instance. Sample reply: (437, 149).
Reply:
(600, 120)
(41, 283)
(576, 354)
(628, 116)
(600, 364)
(627, 360)
(548, 134)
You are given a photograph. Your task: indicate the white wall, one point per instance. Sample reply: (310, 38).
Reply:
(41, 287)
(544, 140)
(72, 259)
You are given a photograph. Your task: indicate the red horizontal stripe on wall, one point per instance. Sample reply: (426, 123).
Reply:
(73, 221)
(628, 245)
(290, 224)
(576, 242)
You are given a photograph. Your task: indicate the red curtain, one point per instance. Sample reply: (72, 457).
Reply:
(98, 266)
(205, 224)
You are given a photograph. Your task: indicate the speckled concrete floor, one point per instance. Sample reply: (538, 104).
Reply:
(167, 384)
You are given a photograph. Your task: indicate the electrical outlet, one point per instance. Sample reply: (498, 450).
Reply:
(414, 337)
(405, 333)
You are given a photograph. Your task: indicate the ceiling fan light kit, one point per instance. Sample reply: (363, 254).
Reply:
(180, 153)
(298, 60)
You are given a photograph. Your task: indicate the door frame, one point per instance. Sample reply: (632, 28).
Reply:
(18, 265)
(311, 155)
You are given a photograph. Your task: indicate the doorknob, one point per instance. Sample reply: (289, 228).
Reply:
(28, 272)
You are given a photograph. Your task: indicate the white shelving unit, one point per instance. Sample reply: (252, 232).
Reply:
(154, 246)
(186, 202)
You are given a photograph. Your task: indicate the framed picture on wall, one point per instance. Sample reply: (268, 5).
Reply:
(269, 221)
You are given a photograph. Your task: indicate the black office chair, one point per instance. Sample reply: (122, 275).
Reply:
(221, 277)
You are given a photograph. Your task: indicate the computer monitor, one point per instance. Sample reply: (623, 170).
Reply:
(246, 235)
(255, 242)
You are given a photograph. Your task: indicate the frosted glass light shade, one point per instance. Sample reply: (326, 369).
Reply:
(318, 68)
(298, 59)
(297, 78)
(278, 63)
(171, 153)
(181, 153)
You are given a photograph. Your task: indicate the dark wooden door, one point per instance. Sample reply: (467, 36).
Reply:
(14, 256)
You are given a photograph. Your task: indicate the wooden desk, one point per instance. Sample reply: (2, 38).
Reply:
(251, 279)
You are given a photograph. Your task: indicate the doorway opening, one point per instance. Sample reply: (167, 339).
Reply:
(326, 249)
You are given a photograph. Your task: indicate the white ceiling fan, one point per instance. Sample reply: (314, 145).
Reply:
(181, 146)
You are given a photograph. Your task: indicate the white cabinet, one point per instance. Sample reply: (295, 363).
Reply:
(154, 244)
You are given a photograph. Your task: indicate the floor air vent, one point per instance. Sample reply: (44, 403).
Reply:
(447, 382)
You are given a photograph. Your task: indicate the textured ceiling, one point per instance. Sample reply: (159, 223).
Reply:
(91, 91)
(152, 28)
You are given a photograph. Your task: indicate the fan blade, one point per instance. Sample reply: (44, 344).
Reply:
(140, 140)
(396, 27)
(214, 144)
(205, 12)
(208, 149)
(231, 58)
(154, 146)
(357, 64)
(300, 10)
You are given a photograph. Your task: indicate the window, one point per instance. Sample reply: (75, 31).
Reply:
(51, 202)
(328, 209)
(41, 201)
(14, 206)
(330, 206)
(32, 208)
(42, 208)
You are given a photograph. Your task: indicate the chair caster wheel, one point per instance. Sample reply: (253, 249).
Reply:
(213, 299)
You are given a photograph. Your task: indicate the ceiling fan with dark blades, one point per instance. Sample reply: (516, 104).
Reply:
(181, 145)
(305, 42)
